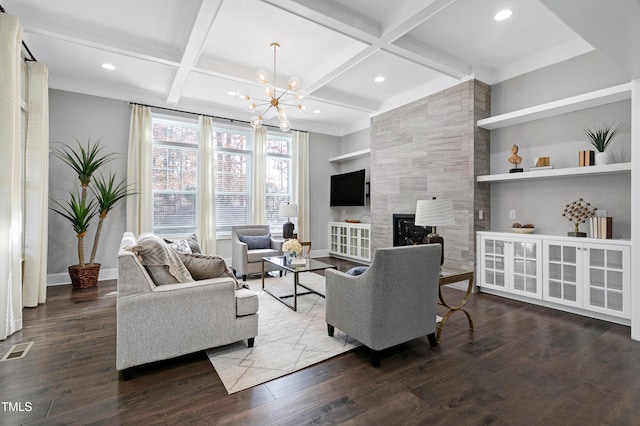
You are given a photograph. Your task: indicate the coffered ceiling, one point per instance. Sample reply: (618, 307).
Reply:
(189, 54)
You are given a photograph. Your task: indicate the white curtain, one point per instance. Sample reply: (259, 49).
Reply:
(139, 169)
(36, 192)
(10, 179)
(259, 177)
(300, 154)
(206, 228)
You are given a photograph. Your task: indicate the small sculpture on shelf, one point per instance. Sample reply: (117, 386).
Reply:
(578, 212)
(515, 159)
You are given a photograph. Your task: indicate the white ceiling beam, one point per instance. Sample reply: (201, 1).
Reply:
(321, 81)
(348, 100)
(155, 57)
(411, 49)
(199, 33)
(331, 15)
(411, 16)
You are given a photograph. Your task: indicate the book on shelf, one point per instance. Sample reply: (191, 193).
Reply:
(601, 227)
(541, 162)
(533, 169)
(586, 158)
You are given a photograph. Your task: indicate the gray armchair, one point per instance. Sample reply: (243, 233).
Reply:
(393, 302)
(246, 256)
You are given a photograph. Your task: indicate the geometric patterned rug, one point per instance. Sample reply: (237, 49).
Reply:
(287, 341)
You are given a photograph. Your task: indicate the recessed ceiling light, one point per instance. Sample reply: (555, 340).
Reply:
(379, 79)
(232, 93)
(108, 67)
(503, 14)
(316, 111)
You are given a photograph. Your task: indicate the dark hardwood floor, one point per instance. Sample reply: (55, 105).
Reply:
(523, 365)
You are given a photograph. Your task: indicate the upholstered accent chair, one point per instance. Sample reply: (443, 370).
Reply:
(392, 302)
(250, 243)
(157, 319)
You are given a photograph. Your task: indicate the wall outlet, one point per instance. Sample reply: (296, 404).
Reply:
(480, 214)
(512, 214)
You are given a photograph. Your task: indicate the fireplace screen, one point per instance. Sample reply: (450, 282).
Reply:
(406, 233)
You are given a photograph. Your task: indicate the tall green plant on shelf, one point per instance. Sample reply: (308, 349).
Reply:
(80, 209)
(601, 137)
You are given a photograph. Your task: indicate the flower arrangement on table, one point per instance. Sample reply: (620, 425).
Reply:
(292, 248)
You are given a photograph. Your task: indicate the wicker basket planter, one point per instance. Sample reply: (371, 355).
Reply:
(84, 276)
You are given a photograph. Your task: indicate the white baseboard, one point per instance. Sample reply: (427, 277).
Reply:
(63, 279)
(320, 253)
(112, 274)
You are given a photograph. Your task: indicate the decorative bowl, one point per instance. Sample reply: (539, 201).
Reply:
(523, 230)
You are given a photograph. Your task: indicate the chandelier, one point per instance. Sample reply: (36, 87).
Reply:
(271, 102)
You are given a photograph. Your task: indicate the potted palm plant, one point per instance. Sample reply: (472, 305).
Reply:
(600, 138)
(97, 196)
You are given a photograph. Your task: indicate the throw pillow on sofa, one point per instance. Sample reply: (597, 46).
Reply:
(255, 242)
(192, 240)
(162, 263)
(202, 267)
(357, 270)
(180, 246)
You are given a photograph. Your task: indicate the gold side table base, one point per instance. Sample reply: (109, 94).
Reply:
(450, 277)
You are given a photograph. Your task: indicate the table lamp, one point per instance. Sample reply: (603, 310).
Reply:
(288, 211)
(434, 213)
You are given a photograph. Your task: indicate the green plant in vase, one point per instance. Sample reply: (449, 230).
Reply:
(81, 208)
(600, 138)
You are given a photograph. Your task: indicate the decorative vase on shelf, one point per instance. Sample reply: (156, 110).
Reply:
(602, 158)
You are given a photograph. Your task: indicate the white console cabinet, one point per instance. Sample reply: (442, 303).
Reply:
(511, 264)
(582, 275)
(350, 240)
(593, 276)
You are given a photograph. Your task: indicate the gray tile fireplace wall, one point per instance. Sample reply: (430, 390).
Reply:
(432, 147)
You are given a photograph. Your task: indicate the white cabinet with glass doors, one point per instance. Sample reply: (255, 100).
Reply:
(350, 240)
(589, 275)
(511, 264)
(582, 275)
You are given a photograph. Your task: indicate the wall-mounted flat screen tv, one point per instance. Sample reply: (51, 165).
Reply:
(348, 189)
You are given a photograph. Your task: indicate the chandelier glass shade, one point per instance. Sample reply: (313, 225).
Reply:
(271, 101)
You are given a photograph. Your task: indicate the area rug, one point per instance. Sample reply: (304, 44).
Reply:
(287, 341)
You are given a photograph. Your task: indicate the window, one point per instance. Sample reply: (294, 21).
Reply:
(233, 177)
(175, 176)
(278, 173)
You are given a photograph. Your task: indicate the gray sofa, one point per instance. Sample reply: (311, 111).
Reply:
(157, 322)
(392, 302)
(246, 259)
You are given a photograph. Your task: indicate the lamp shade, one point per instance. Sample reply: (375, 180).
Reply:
(434, 212)
(288, 210)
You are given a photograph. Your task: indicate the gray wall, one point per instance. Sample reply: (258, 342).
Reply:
(84, 117)
(427, 148)
(541, 202)
(321, 149)
(356, 141)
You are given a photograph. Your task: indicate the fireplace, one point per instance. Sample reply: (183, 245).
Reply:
(405, 232)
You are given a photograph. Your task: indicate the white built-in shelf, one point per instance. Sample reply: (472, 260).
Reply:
(553, 173)
(562, 106)
(350, 156)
